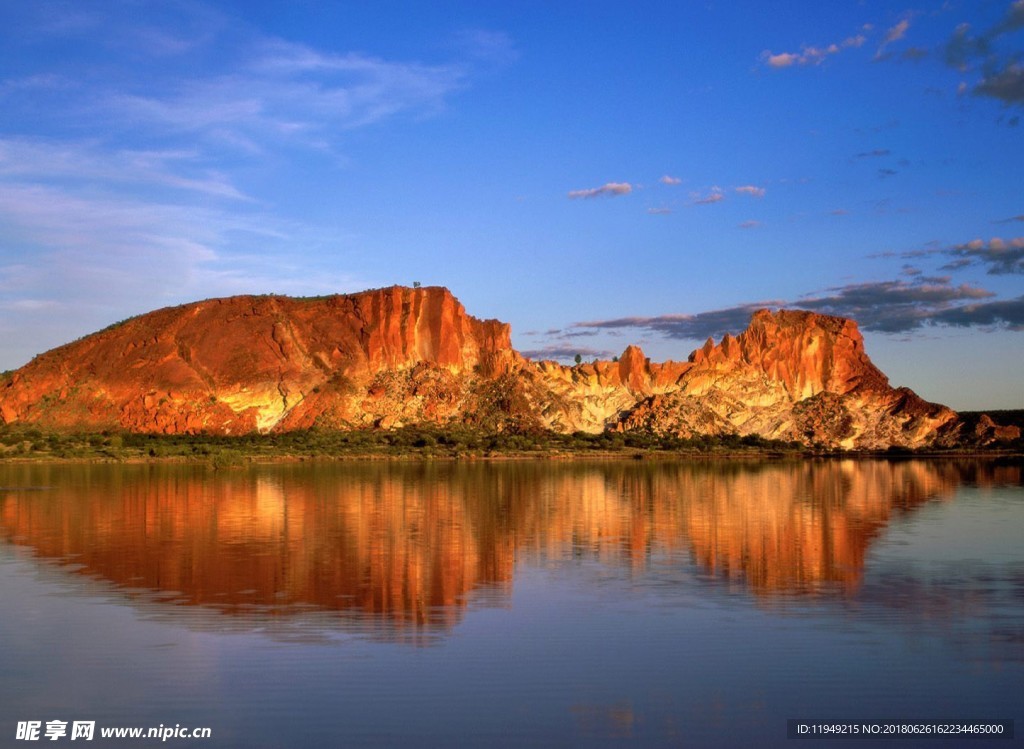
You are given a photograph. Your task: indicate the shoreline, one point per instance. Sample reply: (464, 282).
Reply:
(418, 444)
(239, 460)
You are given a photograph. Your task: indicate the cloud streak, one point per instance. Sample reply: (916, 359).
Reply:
(559, 351)
(896, 306)
(751, 190)
(714, 195)
(37, 160)
(290, 92)
(809, 55)
(687, 327)
(893, 34)
(609, 190)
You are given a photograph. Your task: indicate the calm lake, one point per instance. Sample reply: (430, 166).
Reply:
(637, 603)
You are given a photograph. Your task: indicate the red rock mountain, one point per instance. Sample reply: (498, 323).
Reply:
(395, 356)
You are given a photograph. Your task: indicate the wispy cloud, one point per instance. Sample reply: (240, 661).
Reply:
(751, 190)
(688, 327)
(714, 195)
(39, 159)
(896, 32)
(750, 224)
(999, 257)
(660, 211)
(895, 306)
(609, 189)
(669, 180)
(810, 55)
(290, 92)
(1008, 313)
(873, 154)
(561, 352)
(491, 47)
(893, 34)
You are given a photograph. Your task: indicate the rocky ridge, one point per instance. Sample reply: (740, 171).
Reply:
(390, 357)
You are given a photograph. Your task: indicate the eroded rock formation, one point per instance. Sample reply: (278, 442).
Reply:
(397, 356)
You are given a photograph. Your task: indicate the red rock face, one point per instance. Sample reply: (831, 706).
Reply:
(397, 356)
(807, 353)
(244, 363)
(791, 375)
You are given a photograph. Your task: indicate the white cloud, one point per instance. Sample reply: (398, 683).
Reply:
(810, 55)
(751, 190)
(781, 60)
(39, 159)
(669, 180)
(714, 195)
(897, 32)
(292, 92)
(609, 189)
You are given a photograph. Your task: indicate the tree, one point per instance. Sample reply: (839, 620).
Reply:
(415, 284)
(579, 358)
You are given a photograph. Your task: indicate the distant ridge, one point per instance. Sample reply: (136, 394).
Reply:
(389, 357)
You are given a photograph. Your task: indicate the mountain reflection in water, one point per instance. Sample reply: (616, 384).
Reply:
(406, 547)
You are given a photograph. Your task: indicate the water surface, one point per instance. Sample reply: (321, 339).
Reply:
(541, 604)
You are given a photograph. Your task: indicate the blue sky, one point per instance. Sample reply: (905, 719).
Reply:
(596, 173)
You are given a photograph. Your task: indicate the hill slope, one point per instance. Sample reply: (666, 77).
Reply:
(396, 356)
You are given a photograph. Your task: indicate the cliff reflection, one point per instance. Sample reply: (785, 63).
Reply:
(409, 546)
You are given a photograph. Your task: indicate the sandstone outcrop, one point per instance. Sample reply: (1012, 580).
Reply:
(259, 363)
(396, 356)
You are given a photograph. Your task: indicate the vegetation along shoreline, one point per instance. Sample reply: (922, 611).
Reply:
(19, 444)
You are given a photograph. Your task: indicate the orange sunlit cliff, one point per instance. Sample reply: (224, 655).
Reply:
(396, 356)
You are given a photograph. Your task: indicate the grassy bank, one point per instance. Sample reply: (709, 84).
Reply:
(29, 444)
(34, 444)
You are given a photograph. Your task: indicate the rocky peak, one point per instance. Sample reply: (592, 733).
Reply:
(398, 355)
(634, 370)
(401, 326)
(807, 352)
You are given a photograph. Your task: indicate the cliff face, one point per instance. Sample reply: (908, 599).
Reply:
(398, 356)
(790, 375)
(256, 363)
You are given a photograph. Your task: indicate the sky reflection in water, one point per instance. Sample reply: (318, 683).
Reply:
(621, 603)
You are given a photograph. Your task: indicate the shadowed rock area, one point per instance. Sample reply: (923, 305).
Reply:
(399, 356)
